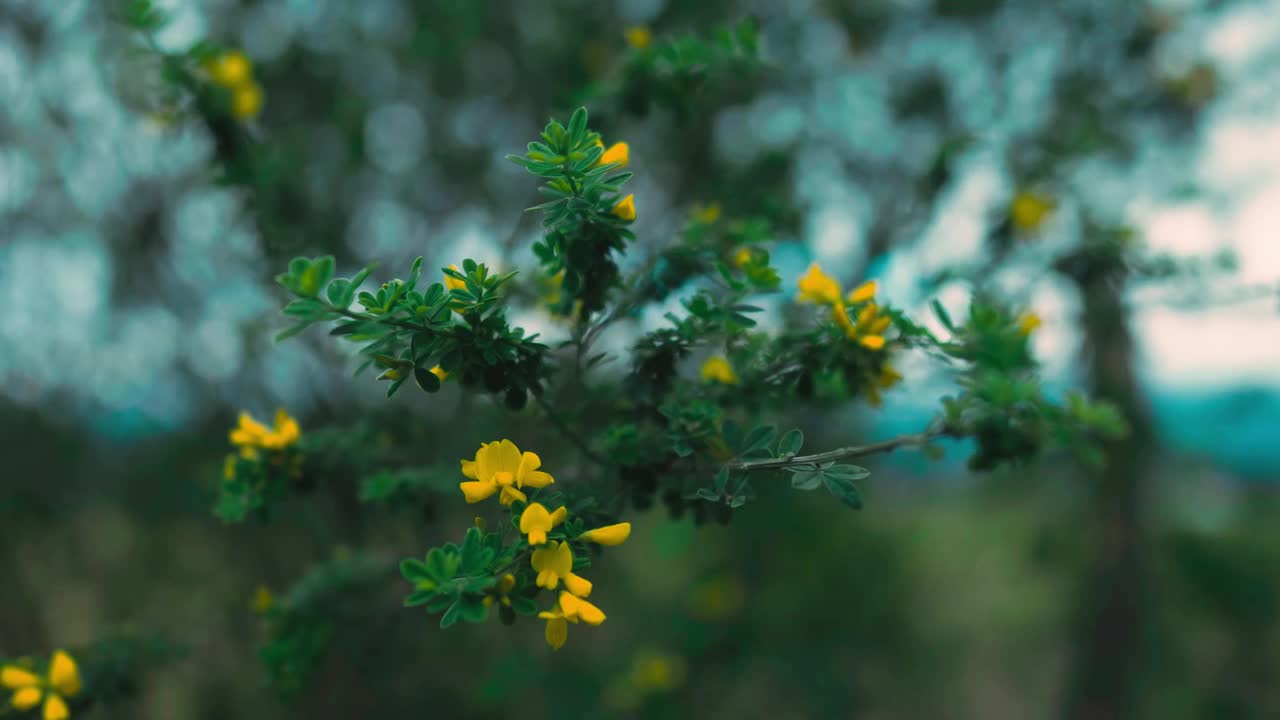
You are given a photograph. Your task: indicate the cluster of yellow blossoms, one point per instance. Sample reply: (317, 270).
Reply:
(252, 436)
(500, 468)
(232, 71)
(619, 153)
(61, 681)
(867, 329)
(821, 289)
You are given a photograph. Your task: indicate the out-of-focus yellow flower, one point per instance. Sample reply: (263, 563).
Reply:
(864, 292)
(263, 600)
(707, 214)
(626, 208)
(717, 599)
(888, 378)
(500, 467)
(246, 101)
(639, 36)
(818, 287)
(230, 69)
(1029, 323)
(869, 328)
(61, 681)
(656, 672)
(229, 467)
(717, 369)
(608, 535)
(743, 256)
(1029, 210)
(250, 435)
(618, 152)
(554, 564)
(536, 522)
(439, 373)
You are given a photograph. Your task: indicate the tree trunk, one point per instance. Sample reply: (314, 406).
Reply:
(1109, 649)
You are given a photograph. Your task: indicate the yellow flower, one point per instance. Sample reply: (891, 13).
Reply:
(453, 283)
(1028, 323)
(718, 369)
(500, 467)
(626, 208)
(246, 101)
(608, 535)
(536, 522)
(619, 153)
(864, 292)
(62, 681)
(707, 214)
(554, 564)
(869, 328)
(231, 69)
(569, 609)
(439, 373)
(639, 37)
(250, 435)
(263, 600)
(818, 287)
(1029, 210)
(743, 257)
(655, 672)
(888, 378)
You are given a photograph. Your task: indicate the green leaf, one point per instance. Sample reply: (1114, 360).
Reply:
(524, 605)
(844, 490)
(315, 276)
(790, 443)
(758, 438)
(451, 616)
(426, 380)
(721, 480)
(414, 570)
(846, 472)
(474, 555)
(337, 291)
(943, 316)
(577, 127)
(419, 597)
(806, 480)
(291, 331)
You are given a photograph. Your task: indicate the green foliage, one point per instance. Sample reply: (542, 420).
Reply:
(582, 230)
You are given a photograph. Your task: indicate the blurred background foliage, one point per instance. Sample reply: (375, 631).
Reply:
(947, 147)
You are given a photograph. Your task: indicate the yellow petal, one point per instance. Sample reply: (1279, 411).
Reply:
(468, 468)
(55, 708)
(440, 373)
(818, 287)
(498, 457)
(27, 698)
(14, 677)
(557, 632)
(64, 676)
(617, 153)
(475, 491)
(547, 579)
(576, 608)
(841, 315)
(867, 315)
(879, 325)
(246, 101)
(535, 522)
(718, 369)
(609, 534)
(510, 494)
(558, 515)
(529, 463)
(577, 585)
(626, 208)
(872, 342)
(230, 69)
(863, 292)
(507, 582)
(639, 37)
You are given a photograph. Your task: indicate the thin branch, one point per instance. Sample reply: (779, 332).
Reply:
(569, 434)
(884, 446)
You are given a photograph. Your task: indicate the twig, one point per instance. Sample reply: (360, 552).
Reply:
(569, 434)
(884, 446)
